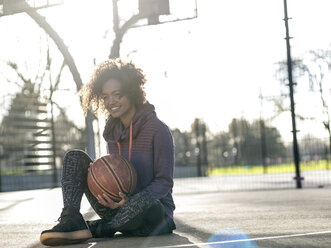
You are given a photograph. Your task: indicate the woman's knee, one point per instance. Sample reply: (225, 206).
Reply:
(76, 153)
(155, 214)
(76, 157)
(75, 165)
(152, 209)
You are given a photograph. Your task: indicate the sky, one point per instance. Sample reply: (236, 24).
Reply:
(213, 67)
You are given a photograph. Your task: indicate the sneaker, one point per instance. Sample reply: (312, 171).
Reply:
(71, 229)
(98, 230)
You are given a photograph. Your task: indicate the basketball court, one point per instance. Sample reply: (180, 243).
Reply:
(266, 218)
(205, 217)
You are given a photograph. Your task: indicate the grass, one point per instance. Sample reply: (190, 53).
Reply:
(259, 169)
(12, 172)
(20, 172)
(240, 169)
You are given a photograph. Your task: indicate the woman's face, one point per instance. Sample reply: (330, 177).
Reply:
(118, 105)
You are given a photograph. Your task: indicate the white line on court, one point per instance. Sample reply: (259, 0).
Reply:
(245, 240)
(92, 244)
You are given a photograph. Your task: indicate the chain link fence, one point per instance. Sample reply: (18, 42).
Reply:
(248, 156)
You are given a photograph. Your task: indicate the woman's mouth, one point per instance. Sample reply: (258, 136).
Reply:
(114, 109)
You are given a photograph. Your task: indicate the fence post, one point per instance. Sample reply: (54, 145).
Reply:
(297, 177)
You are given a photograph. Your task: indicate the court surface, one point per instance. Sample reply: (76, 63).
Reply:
(251, 219)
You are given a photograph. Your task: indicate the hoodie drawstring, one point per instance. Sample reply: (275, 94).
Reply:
(130, 144)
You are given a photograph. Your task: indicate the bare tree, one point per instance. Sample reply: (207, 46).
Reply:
(314, 65)
(317, 65)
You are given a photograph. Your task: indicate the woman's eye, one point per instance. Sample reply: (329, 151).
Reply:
(117, 96)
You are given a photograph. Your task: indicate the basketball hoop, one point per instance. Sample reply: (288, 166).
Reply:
(153, 9)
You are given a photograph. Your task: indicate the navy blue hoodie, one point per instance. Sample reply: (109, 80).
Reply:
(152, 152)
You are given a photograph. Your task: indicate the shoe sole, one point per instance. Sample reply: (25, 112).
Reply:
(61, 238)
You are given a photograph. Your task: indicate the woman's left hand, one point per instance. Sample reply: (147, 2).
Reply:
(106, 201)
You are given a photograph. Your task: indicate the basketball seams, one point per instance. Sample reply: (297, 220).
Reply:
(100, 185)
(130, 174)
(111, 174)
(115, 176)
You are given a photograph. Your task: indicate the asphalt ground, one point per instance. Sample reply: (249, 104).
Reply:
(251, 219)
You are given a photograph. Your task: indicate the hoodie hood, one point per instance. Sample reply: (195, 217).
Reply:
(115, 131)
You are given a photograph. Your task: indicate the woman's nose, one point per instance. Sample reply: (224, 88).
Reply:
(110, 100)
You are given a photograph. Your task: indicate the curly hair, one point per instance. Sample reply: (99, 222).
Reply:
(131, 78)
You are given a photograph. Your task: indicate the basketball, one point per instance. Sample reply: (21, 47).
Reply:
(112, 174)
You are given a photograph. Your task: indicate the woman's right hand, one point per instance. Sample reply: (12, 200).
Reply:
(106, 201)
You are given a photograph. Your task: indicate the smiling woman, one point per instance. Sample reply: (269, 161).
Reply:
(134, 132)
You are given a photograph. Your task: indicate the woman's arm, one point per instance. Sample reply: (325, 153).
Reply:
(163, 149)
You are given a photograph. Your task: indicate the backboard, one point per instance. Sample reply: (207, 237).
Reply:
(158, 11)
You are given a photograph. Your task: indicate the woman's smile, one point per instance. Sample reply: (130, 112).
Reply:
(114, 109)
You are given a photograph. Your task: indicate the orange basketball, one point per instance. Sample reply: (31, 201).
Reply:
(112, 174)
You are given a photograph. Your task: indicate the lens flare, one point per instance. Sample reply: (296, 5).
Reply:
(231, 238)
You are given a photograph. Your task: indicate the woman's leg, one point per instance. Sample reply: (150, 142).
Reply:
(74, 175)
(74, 183)
(139, 216)
(72, 227)
(104, 213)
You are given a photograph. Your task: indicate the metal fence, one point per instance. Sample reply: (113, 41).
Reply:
(315, 169)
(249, 157)
(33, 142)
(315, 172)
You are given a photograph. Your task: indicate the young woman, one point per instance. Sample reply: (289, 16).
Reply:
(134, 131)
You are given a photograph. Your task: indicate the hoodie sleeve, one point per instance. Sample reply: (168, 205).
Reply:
(163, 148)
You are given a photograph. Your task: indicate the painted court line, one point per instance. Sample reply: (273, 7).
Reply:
(92, 244)
(245, 240)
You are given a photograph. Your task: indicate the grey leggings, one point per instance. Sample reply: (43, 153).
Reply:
(141, 215)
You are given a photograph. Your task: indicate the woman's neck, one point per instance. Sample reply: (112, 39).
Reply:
(126, 119)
